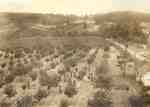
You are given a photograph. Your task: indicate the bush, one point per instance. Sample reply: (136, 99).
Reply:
(41, 93)
(33, 75)
(64, 103)
(19, 70)
(2, 83)
(49, 80)
(2, 80)
(63, 71)
(103, 79)
(53, 65)
(81, 75)
(91, 59)
(5, 103)
(9, 78)
(103, 82)
(100, 99)
(103, 68)
(106, 48)
(70, 90)
(9, 90)
(24, 86)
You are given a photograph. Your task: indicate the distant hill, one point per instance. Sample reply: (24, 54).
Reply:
(17, 25)
(21, 24)
(121, 16)
(25, 29)
(38, 18)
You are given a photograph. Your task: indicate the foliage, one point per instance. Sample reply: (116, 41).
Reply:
(121, 16)
(103, 68)
(33, 75)
(125, 31)
(41, 93)
(5, 103)
(64, 102)
(9, 78)
(100, 99)
(2, 81)
(81, 75)
(21, 69)
(9, 90)
(103, 82)
(49, 80)
(70, 90)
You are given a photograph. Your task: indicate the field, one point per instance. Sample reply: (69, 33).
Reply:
(39, 68)
(66, 77)
(90, 41)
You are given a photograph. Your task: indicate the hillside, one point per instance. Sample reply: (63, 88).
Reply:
(27, 26)
(20, 25)
(122, 15)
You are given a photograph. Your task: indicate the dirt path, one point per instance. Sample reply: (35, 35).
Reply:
(130, 51)
(86, 89)
(98, 58)
(123, 87)
(119, 97)
(84, 92)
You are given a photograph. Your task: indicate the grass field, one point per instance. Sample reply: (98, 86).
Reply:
(32, 42)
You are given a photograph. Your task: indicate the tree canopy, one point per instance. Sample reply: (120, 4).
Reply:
(126, 30)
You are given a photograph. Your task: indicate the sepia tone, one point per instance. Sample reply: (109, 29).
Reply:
(83, 53)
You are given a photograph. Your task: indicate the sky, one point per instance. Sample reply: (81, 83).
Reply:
(78, 7)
